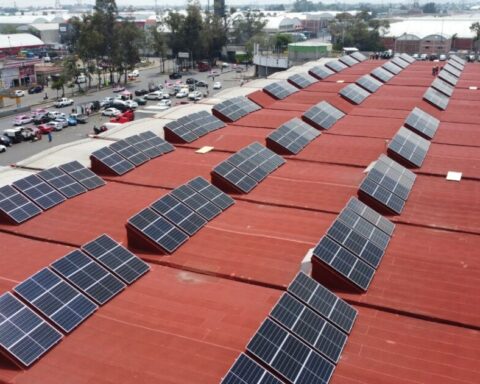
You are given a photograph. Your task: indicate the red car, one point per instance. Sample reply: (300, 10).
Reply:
(45, 128)
(125, 117)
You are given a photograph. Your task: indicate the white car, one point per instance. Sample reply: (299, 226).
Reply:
(164, 104)
(55, 115)
(22, 119)
(3, 148)
(63, 102)
(111, 112)
(19, 93)
(62, 121)
(134, 73)
(55, 125)
(195, 95)
(131, 104)
(155, 95)
(106, 101)
(217, 85)
(182, 93)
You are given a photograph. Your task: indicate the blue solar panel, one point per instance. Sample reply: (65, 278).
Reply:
(83, 175)
(39, 191)
(64, 183)
(56, 300)
(16, 206)
(371, 216)
(247, 371)
(212, 193)
(196, 202)
(112, 160)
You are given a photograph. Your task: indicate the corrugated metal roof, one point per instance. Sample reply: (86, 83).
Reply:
(19, 40)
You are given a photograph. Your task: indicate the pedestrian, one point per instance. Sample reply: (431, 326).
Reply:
(49, 135)
(433, 71)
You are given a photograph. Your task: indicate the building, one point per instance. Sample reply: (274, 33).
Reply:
(191, 316)
(308, 50)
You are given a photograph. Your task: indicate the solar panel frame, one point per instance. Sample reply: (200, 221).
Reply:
(144, 145)
(399, 62)
(344, 263)
(246, 371)
(372, 216)
(358, 56)
(302, 80)
(382, 195)
(456, 65)
(353, 93)
(196, 201)
(369, 83)
(112, 160)
(321, 72)
(407, 58)
(62, 182)
(39, 191)
(88, 276)
(288, 356)
(348, 60)
(24, 334)
(311, 328)
(129, 152)
(448, 78)
(336, 65)
(116, 258)
(422, 123)
(390, 179)
(323, 115)
(410, 146)
(382, 74)
(392, 68)
(236, 108)
(443, 87)
(211, 192)
(157, 142)
(452, 70)
(457, 59)
(195, 125)
(234, 176)
(436, 98)
(280, 89)
(55, 299)
(294, 135)
(16, 206)
(323, 301)
(83, 175)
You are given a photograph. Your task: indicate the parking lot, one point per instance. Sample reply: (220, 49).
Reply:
(229, 78)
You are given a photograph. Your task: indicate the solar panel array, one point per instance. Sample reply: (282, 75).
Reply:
(129, 152)
(112, 160)
(235, 108)
(172, 219)
(457, 59)
(448, 77)
(83, 175)
(288, 356)
(191, 127)
(58, 301)
(302, 80)
(323, 115)
(247, 371)
(407, 58)
(150, 144)
(443, 87)
(23, 334)
(37, 190)
(293, 136)
(436, 98)
(382, 74)
(370, 215)
(336, 65)
(409, 146)
(62, 182)
(388, 183)
(354, 93)
(245, 169)
(392, 68)
(422, 123)
(15, 206)
(280, 89)
(358, 56)
(348, 60)
(452, 70)
(456, 65)
(401, 63)
(321, 72)
(369, 83)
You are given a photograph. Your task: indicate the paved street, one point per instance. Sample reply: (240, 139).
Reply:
(23, 150)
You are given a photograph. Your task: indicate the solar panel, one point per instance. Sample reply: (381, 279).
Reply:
(248, 162)
(149, 145)
(158, 229)
(409, 146)
(116, 258)
(382, 74)
(407, 58)
(336, 65)
(88, 276)
(234, 176)
(288, 356)
(452, 70)
(448, 78)
(370, 215)
(157, 143)
(280, 90)
(363, 227)
(392, 68)
(391, 179)
(179, 214)
(401, 63)
(356, 243)
(294, 135)
(456, 65)
(323, 115)
(321, 72)
(309, 327)
(322, 301)
(457, 59)
(55, 299)
(190, 127)
(369, 83)
(247, 371)
(358, 56)
(112, 160)
(196, 201)
(212, 193)
(354, 93)
(39, 191)
(23, 334)
(16, 206)
(129, 152)
(443, 87)
(64, 183)
(83, 175)
(436, 98)
(348, 60)
(235, 108)
(422, 123)
(302, 80)
(343, 262)
(384, 196)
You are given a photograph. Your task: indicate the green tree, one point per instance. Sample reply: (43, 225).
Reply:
(127, 54)
(192, 30)
(281, 41)
(304, 6)
(214, 37)
(429, 8)
(157, 42)
(475, 27)
(104, 19)
(58, 83)
(248, 27)
(70, 70)
(175, 41)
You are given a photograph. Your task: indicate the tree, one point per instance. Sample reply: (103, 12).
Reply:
(157, 42)
(248, 27)
(175, 41)
(105, 18)
(429, 8)
(303, 6)
(214, 37)
(127, 53)
(71, 70)
(281, 41)
(475, 27)
(192, 29)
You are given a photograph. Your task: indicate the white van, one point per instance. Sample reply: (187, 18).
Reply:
(81, 79)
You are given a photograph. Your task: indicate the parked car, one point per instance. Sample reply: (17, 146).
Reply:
(72, 121)
(195, 95)
(62, 121)
(19, 93)
(63, 102)
(225, 65)
(79, 117)
(41, 119)
(182, 93)
(202, 84)
(19, 134)
(140, 100)
(38, 112)
(217, 85)
(134, 73)
(3, 148)
(118, 88)
(50, 127)
(111, 112)
(106, 102)
(35, 89)
(140, 92)
(22, 119)
(156, 95)
(81, 79)
(131, 104)
(191, 80)
(165, 102)
(442, 57)
(175, 76)
(124, 117)
(5, 140)
(153, 88)
(55, 114)
(423, 56)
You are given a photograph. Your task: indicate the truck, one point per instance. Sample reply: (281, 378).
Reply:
(63, 102)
